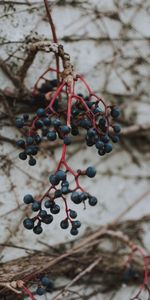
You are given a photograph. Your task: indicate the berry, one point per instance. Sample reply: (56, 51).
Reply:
(90, 172)
(67, 140)
(36, 206)
(45, 281)
(115, 112)
(40, 112)
(58, 193)
(39, 124)
(32, 161)
(37, 139)
(83, 196)
(108, 148)
(74, 231)
(43, 213)
(50, 287)
(54, 180)
(99, 144)
(40, 291)
(48, 203)
(76, 224)
(47, 219)
(64, 224)
(47, 121)
(51, 135)
(28, 223)
(117, 128)
(105, 138)
(61, 175)
(22, 155)
(115, 139)
(56, 122)
(65, 129)
(55, 209)
(21, 143)
(19, 123)
(28, 199)
(72, 214)
(75, 197)
(102, 123)
(64, 190)
(37, 229)
(92, 201)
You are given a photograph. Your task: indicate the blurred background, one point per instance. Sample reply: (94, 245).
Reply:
(109, 43)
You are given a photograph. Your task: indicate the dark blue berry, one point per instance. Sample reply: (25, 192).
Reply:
(92, 201)
(99, 145)
(117, 128)
(50, 287)
(61, 175)
(55, 209)
(45, 281)
(51, 135)
(64, 190)
(47, 121)
(57, 122)
(76, 224)
(64, 224)
(54, 180)
(40, 291)
(108, 148)
(36, 206)
(105, 138)
(48, 203)
(38, 124)
(47, 219)
(74, 231)
(28, 223)
(115, 112)
(32, 161)
(58, 194)
(101, 152)
(40, 112)
(22, 155)
(75, 197)
(102, 123)
(37, 139)
(28, 199)
(43, 213)
(65, 183)
(21, 143)
(37, 229)
(19, 123)
(91, 132)
(72, 214)
(115, 138)
(90, 172)
(83, 196)
(67, 140)
(65, 129)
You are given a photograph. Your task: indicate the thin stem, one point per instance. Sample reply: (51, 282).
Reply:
(55, 40)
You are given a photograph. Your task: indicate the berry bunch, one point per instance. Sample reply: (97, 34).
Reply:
(45, 286)
(67, 115)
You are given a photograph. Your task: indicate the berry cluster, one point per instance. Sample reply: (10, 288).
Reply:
(45, 286)
(67, 115)
(47, 206)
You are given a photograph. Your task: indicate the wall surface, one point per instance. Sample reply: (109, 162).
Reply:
(108, 42)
